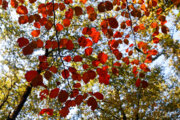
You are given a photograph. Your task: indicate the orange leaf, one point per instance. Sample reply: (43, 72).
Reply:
(59, 27)
(48, 111)
(14, 3)
(88, 51)
(66, 22)
(35, 33)
(22, 10)
(39, 43)
(83, 1)
(48, 25)
(141, 27)
(67, 58)
(102, 57)
(62, 6)
(23, 19)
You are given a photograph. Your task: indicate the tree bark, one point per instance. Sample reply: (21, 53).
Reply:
(21, 103)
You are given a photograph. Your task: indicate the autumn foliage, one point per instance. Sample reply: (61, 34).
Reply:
(98, 51)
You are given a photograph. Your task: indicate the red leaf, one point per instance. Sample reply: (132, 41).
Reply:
(72, 69)
(62, 6)
(47, 110)
(63, 96)
(85, 66)
(59, 27)
(66, 22)
(48, 44)
(155, 40)
(70, 103)
(78, 11)
(77, 58)
(22, 10)
(91, 74)
(42, 58)
(64, 112)
(74, 93)
(53, 69)
(69, 45)
(48, 75)
(43, 65)
(67, 58)
(69, 13)
(68, 1)
(113, 22)
(65, 74)
(83, 1)
(128, 23)
(102, 57)
(43, 93)
(39, 43)
(37, 25)
(79, 99)
(138, 83)
(28, 50)
(14, 3)
(95, 63)
(30, 75)
(92, 102)
(98, 96)
(104, 79)
(108, 5)
(90, 10)
(32, 1)
(77, 85)
(144, 84)
(37, 81)
(76, 76)
(82, 41)
(54, 93)
(23, 19)
(48, 25)
(35, 33)
(86, 77)
(22, 42)
(88, 51)
(101, 7)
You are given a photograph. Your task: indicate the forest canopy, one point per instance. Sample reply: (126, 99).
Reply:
(89, 59)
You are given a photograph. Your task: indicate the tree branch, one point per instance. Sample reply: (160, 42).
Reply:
(21, 103)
